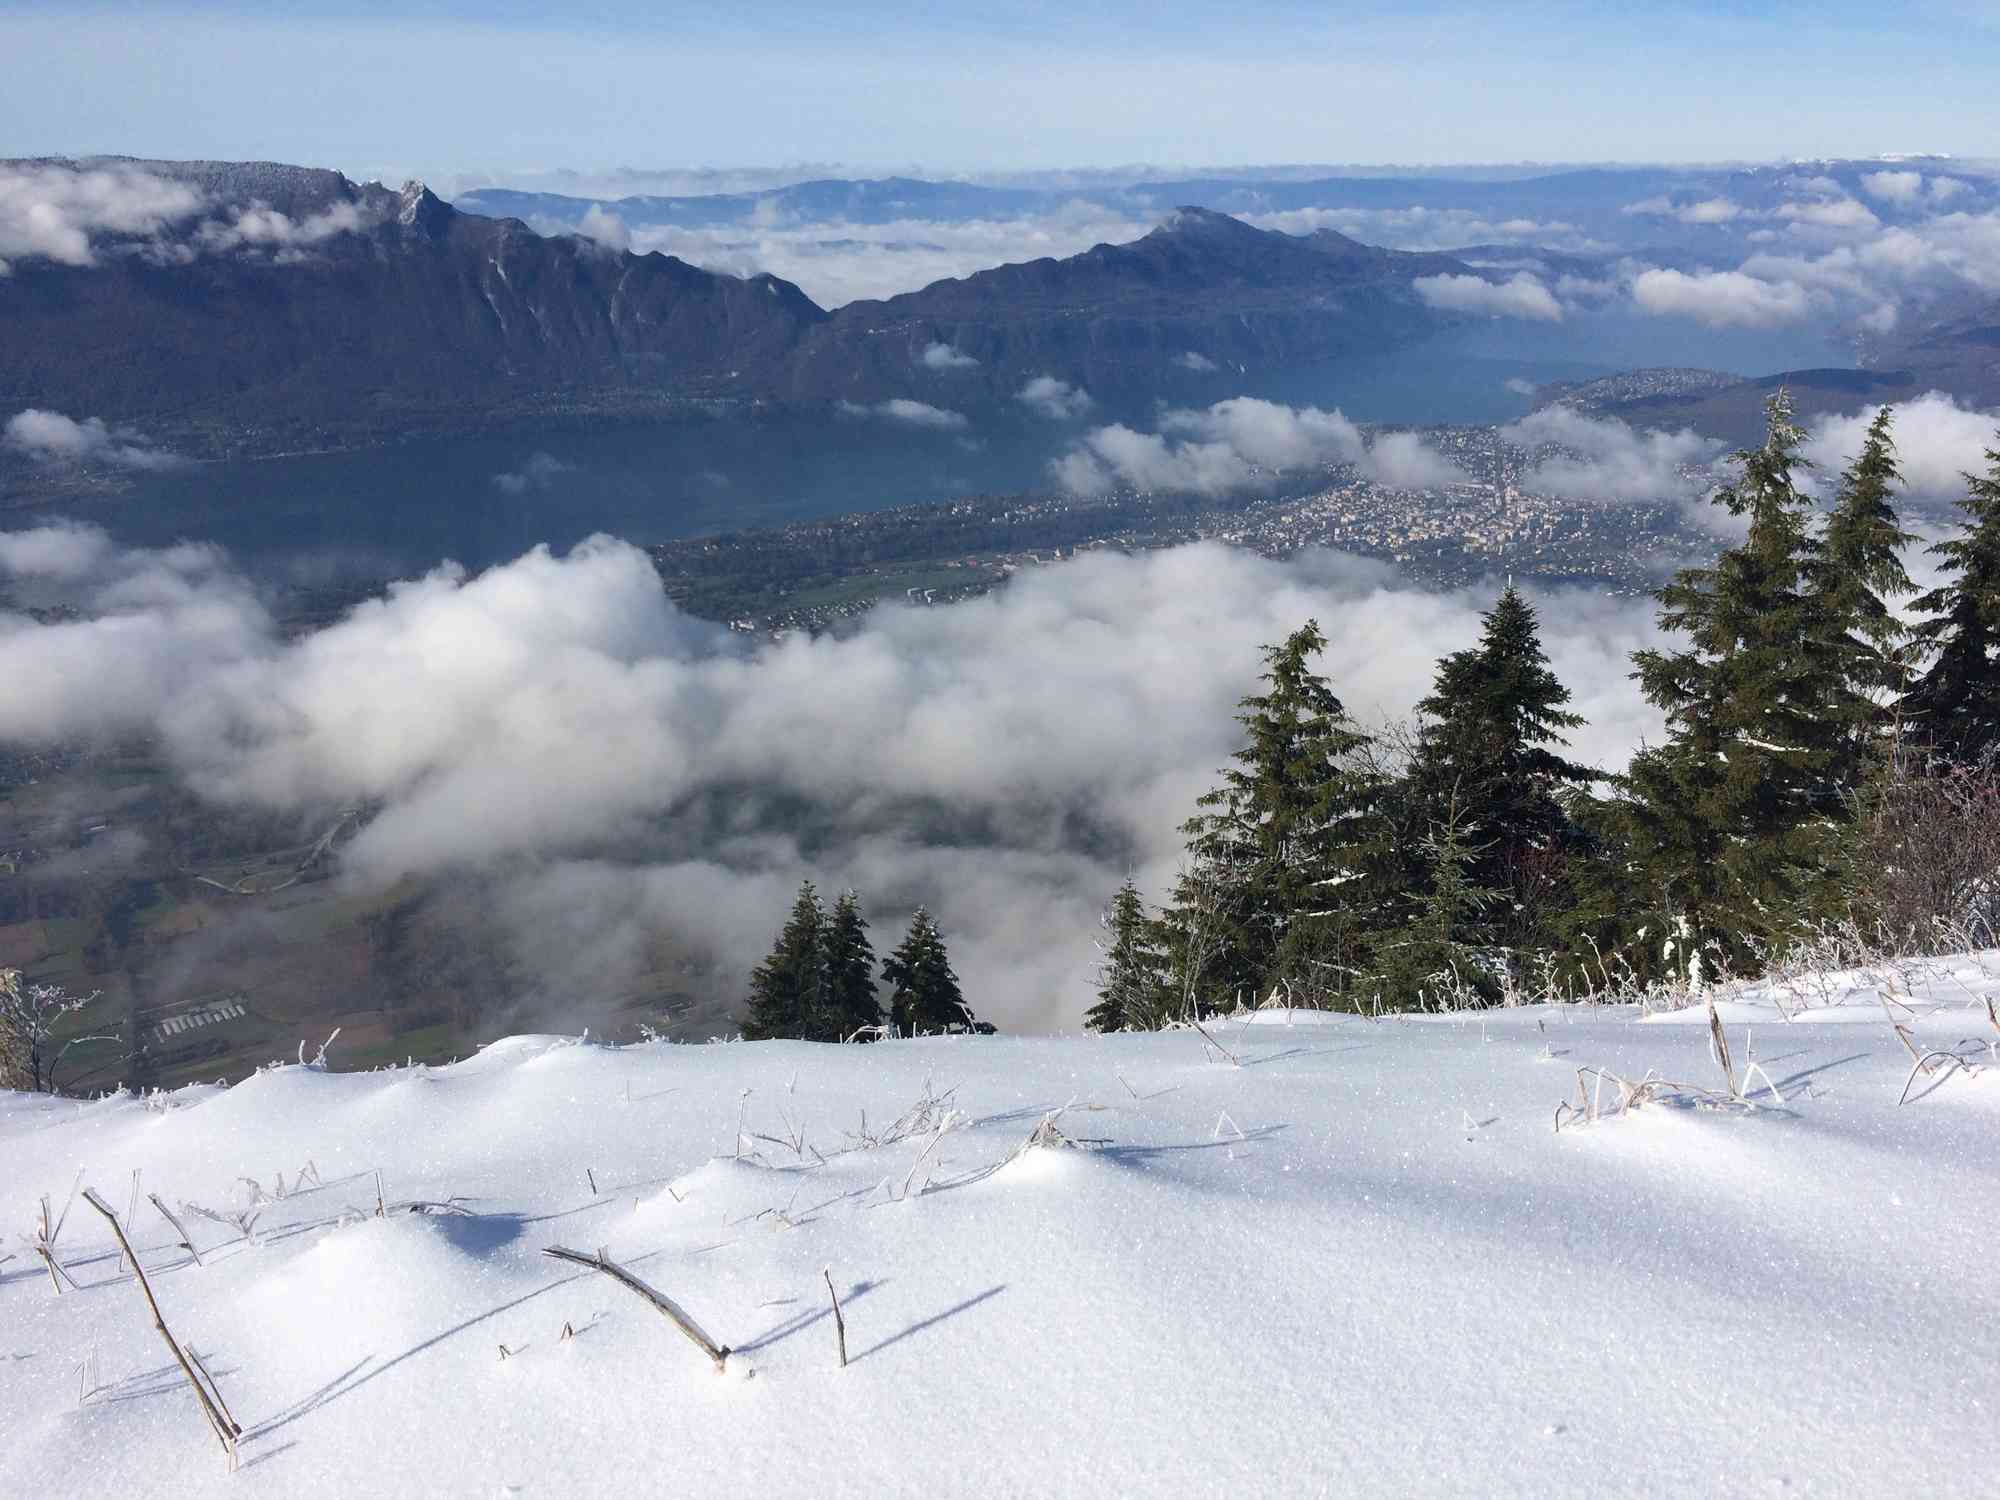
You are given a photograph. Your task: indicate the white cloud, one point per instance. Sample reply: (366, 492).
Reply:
(1842, 214)
(945, 357)
(49, 437)
(1055, 399)
(909, 414)
(55, 211)
(1515, 385)
(1201, 364)
(542, 721)
(1702, 211)
(1520, 296)
(1402, 460)
(537, 473)
(605, 227)
(1243, 443)
(1420, 227)
(1900, 188)
(1709, 211)
(261, 226)
(836, 262)
(1720, 299)
(63, 553)
(1938, 442)
(1605, 459)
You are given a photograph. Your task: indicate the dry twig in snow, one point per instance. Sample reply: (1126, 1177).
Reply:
(206, 1392)
(669, 1308)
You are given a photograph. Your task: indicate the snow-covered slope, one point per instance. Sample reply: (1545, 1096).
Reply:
(1358, 1259)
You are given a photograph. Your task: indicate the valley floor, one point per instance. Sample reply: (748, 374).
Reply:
(1352, 1258)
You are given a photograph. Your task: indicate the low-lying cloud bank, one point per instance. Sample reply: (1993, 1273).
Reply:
(49, 437)
(908, 413)
(1938, 442)
(66, 214)
(1243, 443)
(1521, 295)
(616, 769)
(836, 262)
(1581, 457)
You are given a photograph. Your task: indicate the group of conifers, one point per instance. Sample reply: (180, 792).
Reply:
(1464, 856)
(818, 984)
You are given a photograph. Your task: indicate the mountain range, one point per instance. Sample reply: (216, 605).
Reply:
(290, 307)
(259, 308)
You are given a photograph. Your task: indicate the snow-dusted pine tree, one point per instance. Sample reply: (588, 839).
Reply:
(1131, 977)
(850, 970)
(1956, 703)
(787, 990)
(925, 997)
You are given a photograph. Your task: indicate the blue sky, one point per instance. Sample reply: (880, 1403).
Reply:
(440, 86)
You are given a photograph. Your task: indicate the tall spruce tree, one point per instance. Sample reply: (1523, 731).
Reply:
(924, 997)
(1131, 979)
(1856, 570)
(1486, 763)
(1956, 703)
(788, 989)
(1733, 816)
(1443, 952)
(851, 1002)
(1281, 857)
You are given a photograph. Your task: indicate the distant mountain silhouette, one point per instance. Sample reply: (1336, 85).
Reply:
(418, 315)
(1122, 317)
(296, 308)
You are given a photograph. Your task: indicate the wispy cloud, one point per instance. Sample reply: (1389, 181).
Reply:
(55, 211)
(909, 414)
(1519, 296)
(1720, 299)
(946, 357)
(1581, 457)
(1938, 442)
(1243, 443)
(1055, 399)
(49, 437)
(538, 472)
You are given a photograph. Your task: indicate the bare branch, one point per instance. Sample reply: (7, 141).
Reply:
(666, 1305)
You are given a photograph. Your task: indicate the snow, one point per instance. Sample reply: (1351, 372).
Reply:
(1363, 1262)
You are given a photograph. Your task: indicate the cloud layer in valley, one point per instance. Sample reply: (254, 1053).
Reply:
(616, 768)
(54, 211)
(1580, 457)
(1243, 443)
(1519, 296)
(836, 262)
(49, 437)
(1938, 442)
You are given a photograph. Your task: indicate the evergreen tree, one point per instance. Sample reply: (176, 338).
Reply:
(850, 970)
(1956, 703)
(1732, 817)
(1859, 562)
(1487, 764)
(925, 997)
(1279, 857)
(1131, 980)
(1446, 947)
(787, 990)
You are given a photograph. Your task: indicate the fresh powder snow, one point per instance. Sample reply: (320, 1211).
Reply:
(1301, 1254)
